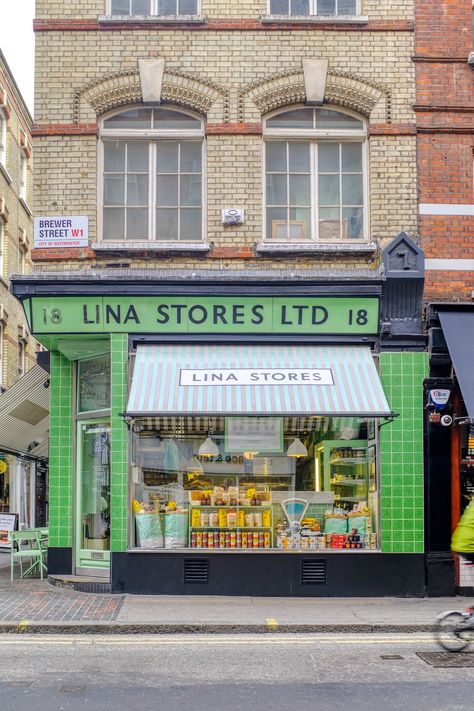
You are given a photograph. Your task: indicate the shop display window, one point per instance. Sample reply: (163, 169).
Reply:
(285, 483)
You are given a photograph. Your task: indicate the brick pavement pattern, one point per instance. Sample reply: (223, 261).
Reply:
(37, 601)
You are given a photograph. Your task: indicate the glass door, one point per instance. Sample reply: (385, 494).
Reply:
(93, 499)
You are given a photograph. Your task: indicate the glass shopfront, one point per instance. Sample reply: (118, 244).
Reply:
(240, 483)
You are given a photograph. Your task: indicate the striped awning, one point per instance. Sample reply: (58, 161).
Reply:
(24, 413)
(259, 380)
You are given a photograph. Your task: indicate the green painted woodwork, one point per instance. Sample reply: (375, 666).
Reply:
(202, 314)
(401, 454)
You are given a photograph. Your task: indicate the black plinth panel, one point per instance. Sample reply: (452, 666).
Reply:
(269, 574)
(59, 561)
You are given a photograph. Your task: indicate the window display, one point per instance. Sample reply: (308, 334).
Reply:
(262, 483)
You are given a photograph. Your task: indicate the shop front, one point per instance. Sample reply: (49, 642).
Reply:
(215, 437)
(24, 425)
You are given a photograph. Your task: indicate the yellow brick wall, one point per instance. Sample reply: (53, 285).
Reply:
(19, 217)
(91, 9)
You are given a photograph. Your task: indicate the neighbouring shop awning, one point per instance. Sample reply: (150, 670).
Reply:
(458, 330)
(24, 413)
(256, 380)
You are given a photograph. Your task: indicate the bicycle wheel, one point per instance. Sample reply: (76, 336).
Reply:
(449, 632)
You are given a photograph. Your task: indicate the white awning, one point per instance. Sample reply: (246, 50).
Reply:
(24, 413)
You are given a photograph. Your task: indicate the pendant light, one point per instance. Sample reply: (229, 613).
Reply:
(297, 449)
(208, 448)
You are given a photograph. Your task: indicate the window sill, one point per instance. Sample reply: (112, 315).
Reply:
(25, 207)
(316, 19)
(151, 247)
(5, 174)
(315, 248)
(150, 19)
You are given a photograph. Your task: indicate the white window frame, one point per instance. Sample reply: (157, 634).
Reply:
(313, 10)
(21, 357)
(3, 138)
(23, 175)
(2, 333)
(154, 10)
(152, 134)
(2, 247)
(315, 136)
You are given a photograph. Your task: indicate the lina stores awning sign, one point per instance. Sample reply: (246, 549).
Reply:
(195, 314)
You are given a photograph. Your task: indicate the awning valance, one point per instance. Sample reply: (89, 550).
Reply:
(255, 380)
(24, 413)
(458, 330)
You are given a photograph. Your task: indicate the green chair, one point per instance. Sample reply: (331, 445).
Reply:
(26, 546)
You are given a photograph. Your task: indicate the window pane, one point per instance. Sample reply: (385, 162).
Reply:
(328, 157)
(326, 7)
(167, 190)
(114, 190)
(300, 189)
(137, 157)
(275, 156)
(166, 118)
(137, 224)
(120, 7)
(329, 190)
(277, 226)
(166, 7)
(167, 225)
(134, 118)
(137, 189)
(326, 118)
(190, 190)
(167, 157)
(187, 7)
(276, 189)
(141, 7)
(114, 156)
(300, 7)
(352, 193)
(347, 7)
(114, 221)
(300, 224)
(191, 156)
(191, 225)
(299, 157)
(299, 118)
(279, 7)
(353, 221)
(352, 157)
(329, 224)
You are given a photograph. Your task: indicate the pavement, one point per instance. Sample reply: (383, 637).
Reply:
(32, 605)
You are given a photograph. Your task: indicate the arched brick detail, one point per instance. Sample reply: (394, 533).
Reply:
(342, 89)
(123, 88)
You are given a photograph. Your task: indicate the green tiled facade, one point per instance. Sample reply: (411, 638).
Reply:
(61, 453)
(401, 453)
(119, 444)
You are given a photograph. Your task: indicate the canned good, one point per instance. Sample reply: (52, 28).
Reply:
(258, 520)
(267, 539)
(249, 540)
(260, 539)
(216, 539)
(227, 539)
(204, 539)
(199, 539)
(214, 518)
(238, 539)
(193, 539)
(255, 539)
(210, 540)
(232, 519)
(222, 539)
(244, 539)
(204, 519)
(249, 520)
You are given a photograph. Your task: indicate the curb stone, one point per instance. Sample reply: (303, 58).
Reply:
(117, 628)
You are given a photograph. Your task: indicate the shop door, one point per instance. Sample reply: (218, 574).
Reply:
(93, 499)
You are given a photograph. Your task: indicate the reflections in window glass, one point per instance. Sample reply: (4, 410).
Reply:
(278, 483)
(134, 118)
(299, 118)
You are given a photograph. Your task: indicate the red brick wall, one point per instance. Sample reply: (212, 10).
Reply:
(445, 123)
